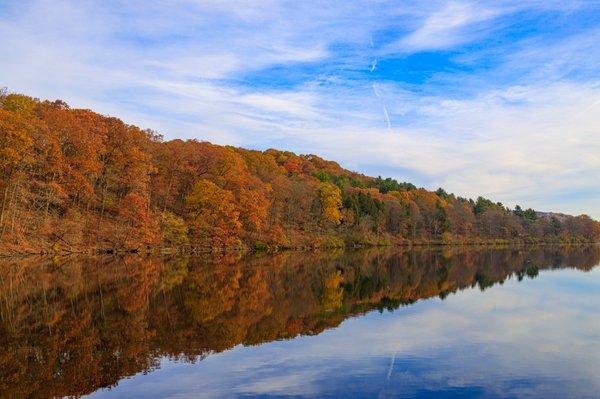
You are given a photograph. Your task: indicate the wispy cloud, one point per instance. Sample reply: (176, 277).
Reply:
(455, 23)
(516, 327)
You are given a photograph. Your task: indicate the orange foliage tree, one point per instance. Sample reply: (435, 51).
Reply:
(75, 180)
(212, 215)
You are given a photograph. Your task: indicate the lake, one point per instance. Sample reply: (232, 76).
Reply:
(377, 323)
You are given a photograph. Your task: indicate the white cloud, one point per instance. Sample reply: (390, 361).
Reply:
(445, 28)
(525, 130)
(492, 341)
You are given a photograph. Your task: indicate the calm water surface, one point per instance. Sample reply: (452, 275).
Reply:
(505, 323)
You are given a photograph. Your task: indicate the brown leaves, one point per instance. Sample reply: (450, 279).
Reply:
(121, 181)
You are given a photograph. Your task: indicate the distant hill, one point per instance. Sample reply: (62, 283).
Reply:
(74, 180)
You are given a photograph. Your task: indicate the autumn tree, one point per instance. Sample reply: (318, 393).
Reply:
(174, 229)
(331, 203)
(140, 226)
(212, 215)
(72, 179)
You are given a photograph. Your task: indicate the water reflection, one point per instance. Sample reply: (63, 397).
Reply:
(73, 326)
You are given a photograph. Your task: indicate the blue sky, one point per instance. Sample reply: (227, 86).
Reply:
(499, 98)
(535, 338)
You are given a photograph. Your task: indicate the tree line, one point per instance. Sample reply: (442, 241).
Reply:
(74, 180)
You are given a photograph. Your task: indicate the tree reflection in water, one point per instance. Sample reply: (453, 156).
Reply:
(70, 326)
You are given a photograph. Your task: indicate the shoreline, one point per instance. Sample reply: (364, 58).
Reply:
(183, 251)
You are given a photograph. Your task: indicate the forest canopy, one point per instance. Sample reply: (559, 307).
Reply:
(74, 180)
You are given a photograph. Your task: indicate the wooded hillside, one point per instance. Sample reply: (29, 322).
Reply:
(74, 180)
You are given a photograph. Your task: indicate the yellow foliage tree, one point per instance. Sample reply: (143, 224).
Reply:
(214, 217)
(333, 292)
(331, 203)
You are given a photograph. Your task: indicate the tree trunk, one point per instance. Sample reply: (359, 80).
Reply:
(3, 209)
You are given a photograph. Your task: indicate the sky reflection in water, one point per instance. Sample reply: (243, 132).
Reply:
(534, 338)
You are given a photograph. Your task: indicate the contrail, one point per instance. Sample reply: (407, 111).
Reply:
(389, 374)
(374, 65)
(385, 111)
(376, 92)
(387, 118)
